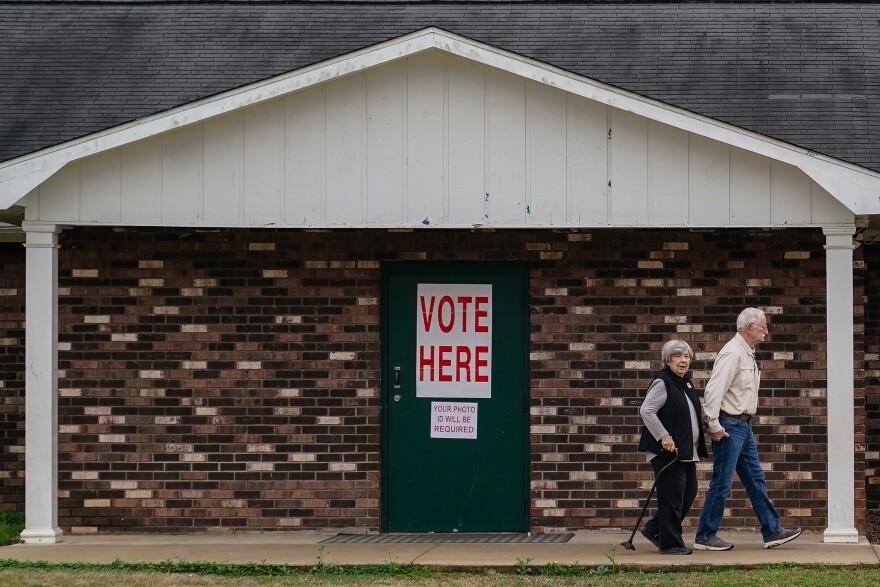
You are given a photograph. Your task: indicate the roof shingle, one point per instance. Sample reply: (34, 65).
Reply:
(803, 72)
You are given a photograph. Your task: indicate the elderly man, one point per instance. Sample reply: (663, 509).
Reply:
(729, 403)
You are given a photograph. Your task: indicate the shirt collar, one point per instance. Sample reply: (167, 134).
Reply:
(742, 341)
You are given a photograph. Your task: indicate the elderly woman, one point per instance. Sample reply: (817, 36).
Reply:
(673, 422)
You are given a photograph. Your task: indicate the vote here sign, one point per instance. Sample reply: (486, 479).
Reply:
(454, 340)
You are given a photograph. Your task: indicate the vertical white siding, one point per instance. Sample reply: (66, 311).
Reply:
(264, 164)
(506, 97)
(425, 139)
(225, 195)
(749, 188)
(432, 140)
(305, 123)
(790, 189)
(344, 146)
(547, 156)
(141, 182)
(467, 143)
(668, 175)
(709, 177)
(587, 124)
(629, 168)
(182, 179)
(385, 143)
(101, 180)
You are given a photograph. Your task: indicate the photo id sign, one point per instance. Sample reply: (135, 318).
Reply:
(453, 420)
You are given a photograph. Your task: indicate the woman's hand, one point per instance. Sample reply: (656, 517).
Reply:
(667, 443)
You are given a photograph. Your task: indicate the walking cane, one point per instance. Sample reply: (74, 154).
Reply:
(629, 543)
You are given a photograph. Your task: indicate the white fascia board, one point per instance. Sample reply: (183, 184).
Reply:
(856, 187)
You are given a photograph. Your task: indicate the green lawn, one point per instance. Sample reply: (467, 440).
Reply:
(11, 525)
(34, 575)
(523, 573)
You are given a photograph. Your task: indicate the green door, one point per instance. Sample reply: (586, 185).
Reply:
(454, 396)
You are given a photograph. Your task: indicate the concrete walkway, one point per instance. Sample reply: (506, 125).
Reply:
(587, 548)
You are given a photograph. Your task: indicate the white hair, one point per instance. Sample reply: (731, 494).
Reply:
(674, 347)
(748, 316)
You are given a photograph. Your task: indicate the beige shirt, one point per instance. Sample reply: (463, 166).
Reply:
(733, 386)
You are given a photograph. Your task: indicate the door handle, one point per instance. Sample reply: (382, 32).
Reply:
(396, 376)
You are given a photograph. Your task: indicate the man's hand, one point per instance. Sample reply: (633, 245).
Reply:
(667, 443)
(716, 436)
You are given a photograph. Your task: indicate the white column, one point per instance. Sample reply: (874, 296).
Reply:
(841, 375)
(41, 384)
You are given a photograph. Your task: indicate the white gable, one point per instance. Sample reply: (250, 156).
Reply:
(431, 140)
(520, 186)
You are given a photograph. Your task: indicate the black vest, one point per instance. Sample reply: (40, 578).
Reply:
(676, 417)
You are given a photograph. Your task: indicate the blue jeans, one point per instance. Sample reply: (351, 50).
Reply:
(738, 452)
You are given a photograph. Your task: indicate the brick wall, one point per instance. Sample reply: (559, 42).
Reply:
(12, 376)
(230, 379)
(604, 310)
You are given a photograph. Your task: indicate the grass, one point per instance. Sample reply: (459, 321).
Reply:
(11, 525)
(320, 573)
(29, 574)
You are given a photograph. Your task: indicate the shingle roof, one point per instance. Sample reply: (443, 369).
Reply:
(803, 72)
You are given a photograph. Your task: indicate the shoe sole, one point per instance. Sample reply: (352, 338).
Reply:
(775, 543)
(698, 546)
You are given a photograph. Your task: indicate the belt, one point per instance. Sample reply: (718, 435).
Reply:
(743, 417)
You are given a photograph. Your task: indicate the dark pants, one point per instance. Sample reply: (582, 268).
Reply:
(676, 490)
